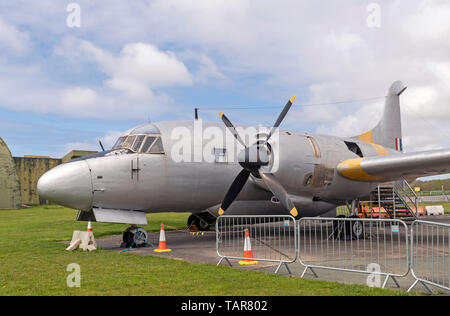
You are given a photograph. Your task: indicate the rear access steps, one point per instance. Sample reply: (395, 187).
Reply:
(397, 199)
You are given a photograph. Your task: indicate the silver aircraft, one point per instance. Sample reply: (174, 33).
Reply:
(314, 173)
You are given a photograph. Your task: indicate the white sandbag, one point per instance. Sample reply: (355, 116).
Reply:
(434, 210)
(84, 240)
(74, 245)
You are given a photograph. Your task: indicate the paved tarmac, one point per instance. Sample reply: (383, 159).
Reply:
(201, 248)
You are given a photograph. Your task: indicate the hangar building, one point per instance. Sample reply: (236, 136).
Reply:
(19, 176)
(9, 181)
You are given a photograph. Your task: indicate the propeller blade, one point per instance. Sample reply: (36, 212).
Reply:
(277, 189)
(231, 128)
(282, 116)
(234, 190)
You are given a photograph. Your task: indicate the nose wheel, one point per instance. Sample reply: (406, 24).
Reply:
(135, 237)
(200, 222)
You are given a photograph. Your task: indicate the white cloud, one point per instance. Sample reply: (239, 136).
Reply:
(79, 98)
(139, 68)
(323, 51)
(108, 140)
(414, 49)
(362, 120)
(131, 88)
(207, 71)
(430, 23)
(27, 88)
(12, 39)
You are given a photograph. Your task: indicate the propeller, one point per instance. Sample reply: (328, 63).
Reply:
(252, 158)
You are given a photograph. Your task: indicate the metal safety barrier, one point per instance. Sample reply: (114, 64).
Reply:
(430, 254)
(272, 239)
(371, 246)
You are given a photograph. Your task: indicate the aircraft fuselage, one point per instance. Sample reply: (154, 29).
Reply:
(306, 166)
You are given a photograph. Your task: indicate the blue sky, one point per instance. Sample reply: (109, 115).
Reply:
(63, 87)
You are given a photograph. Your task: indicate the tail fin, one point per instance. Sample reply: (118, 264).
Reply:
(388, 132)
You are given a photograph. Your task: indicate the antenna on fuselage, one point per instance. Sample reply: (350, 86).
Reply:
(196, 113)
(100, 143)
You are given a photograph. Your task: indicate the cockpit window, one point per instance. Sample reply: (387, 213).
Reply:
(138, 142)
(149, 144)
(157, 147)
(129, 142)
(119, 142)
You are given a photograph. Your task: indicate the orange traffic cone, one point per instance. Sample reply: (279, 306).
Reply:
(89, 228)
(162, 247)
(247, 251)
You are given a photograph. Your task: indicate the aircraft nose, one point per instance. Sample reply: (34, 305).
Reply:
(68, 184)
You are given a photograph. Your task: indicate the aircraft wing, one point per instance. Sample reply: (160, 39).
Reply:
(397, 166)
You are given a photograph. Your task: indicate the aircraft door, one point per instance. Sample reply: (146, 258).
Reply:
(114, 180)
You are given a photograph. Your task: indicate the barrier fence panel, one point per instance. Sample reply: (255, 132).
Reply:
(372, 246)
(430, 249)
(272, 239)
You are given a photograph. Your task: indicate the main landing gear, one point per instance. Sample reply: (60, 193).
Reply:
(135, 237)
(348, 229)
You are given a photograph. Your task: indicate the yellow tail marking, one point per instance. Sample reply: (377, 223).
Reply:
(381, 151)
(366, 137)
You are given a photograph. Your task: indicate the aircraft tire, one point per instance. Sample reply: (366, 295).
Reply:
(355, 229)
(140, 237)
(128, 238)
(194, 222)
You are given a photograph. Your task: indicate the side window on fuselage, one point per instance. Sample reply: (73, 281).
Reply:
(220, 155)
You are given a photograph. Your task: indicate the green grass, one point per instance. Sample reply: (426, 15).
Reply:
(32, 262)
(433, 185)
(446, 205)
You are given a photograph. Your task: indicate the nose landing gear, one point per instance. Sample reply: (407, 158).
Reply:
(200, 221)
(135, 237)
